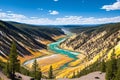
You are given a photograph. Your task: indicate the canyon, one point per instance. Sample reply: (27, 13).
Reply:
(68, 49)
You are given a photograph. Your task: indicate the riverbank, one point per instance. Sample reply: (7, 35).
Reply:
(38, 53)
(59, 59)
(56, 60)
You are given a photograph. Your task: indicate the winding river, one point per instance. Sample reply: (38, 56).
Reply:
(54, 47)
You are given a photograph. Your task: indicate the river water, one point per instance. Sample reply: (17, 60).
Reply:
(54, 47)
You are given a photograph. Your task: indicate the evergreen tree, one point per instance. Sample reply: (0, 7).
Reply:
(111, 67)
(35, 68)
(39, 75)
(114, 62)
(109, 73)
(118, 71)
(51, 76)
(103, 67)
(13, 61)
(118, 74)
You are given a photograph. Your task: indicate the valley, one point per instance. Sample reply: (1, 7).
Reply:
(60, 59)
(60, 40)
(69, 51)
(78, 60)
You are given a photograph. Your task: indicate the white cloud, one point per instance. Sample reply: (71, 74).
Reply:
(3, 15)
(53, 12)
(55, 0)
(83, 20)
(11, 16)
(71, 20)
(114, 6)
(57, 21)
(16, 16)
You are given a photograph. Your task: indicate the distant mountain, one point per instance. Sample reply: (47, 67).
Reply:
(26, 36)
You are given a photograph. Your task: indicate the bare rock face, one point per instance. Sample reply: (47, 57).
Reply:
(25, 36)
(93, 40)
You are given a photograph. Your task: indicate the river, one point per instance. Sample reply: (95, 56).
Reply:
(54, 47)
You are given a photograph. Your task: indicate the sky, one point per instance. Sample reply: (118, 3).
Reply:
(60, 12)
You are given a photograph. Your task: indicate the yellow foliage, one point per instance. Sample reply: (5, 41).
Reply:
(54, 65)
(3, 59)
(75, 63)
(68, 72)
(34, 55)
(55, 60)
(117, 49)
(96, 57)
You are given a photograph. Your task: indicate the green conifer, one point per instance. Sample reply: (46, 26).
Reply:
(50, 74)
(111, 67)
(103, 67)
(13, 61)
(35, 68)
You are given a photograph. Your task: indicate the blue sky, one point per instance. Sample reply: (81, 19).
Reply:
(60, 11)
